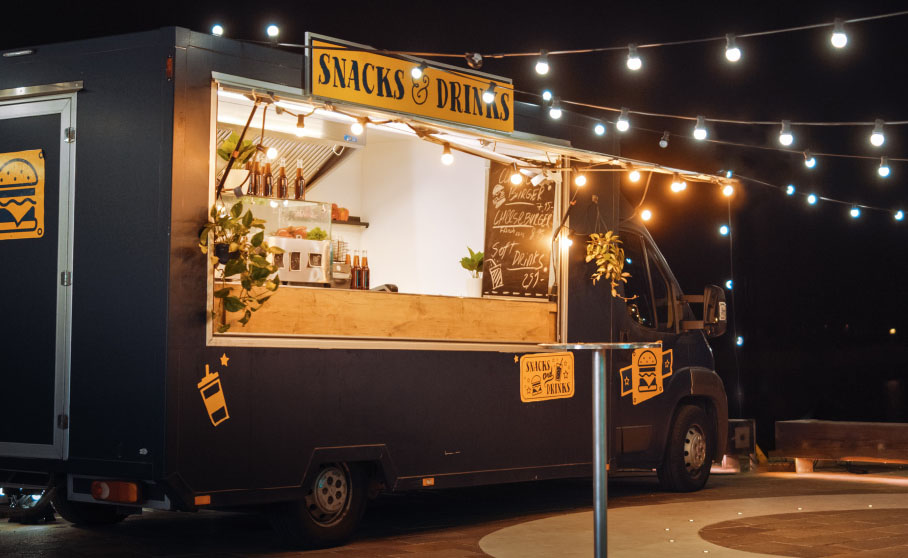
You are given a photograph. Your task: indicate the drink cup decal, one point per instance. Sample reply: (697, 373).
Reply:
(213, 395)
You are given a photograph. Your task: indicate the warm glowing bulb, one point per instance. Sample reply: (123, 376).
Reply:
(357, 128)
(728, 191)
(646, 214)
(678, 185)
(812, 199)
(634, 176)
(700, 129)
(488, 96)
(732, 52)
(891, 331)
(877, 139)
(417, 71)
(568, 242)
(633, 59)
(516, 178)
(217, 30)
(446, 157)
(273, 31)
(555, 110)
(785, 136)
(580, 180)
(271, 154)
(623, 124)
(599, 129)
(839, 39)
(884, 167)
(542, 63)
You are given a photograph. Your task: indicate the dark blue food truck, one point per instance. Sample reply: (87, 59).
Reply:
(237, 276)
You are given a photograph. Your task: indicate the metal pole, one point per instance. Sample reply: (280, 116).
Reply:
(600, 455)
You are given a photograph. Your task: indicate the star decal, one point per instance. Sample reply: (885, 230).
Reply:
(516, 360)
(224, 359)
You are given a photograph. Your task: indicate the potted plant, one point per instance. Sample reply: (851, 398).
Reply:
(238, 176)
(605, 250)
(473, 264)
(228, 238)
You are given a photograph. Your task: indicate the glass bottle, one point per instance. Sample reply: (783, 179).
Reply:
(299, 184)
(255, 188)
(356, 272)
(282, 182)
(365, 271)
(267, 182)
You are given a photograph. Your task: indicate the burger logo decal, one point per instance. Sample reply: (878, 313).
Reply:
(22, 194)
(643, 379)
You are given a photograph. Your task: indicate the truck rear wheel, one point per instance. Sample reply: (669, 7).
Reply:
(330, 511)
(688, 453)
(83, 513)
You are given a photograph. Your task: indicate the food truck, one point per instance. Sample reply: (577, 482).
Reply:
(145, 366)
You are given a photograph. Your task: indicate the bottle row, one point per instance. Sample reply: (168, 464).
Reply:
(263, 183)
(359, 272)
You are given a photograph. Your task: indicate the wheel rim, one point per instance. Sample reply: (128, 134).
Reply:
(694, 449)
(329, 497)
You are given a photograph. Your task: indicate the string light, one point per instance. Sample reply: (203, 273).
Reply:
(555, 110)
(729, 284)
(271, 154)
(812, 199)
(488, 96)
(838, 38)
(877, 138)
(634, 176)
(599, 129)
(732, 52)
(446, 157)
(547, 95)
(855, 212)
(739, 341)
(790, 190)
(678, 185)
(899, 215)
(663, 143)
(357, 128)
(785, 136)
(884, 167)
(700, 129)
(300, 121)
(217, 30)
(273, 31)
(646, 214)
(580, 180)
(634, 62)
(516, 177)
(809, 160)
(623, 123)
(728, 191)
(729, 173)
(418, 71)
(542, 63)
(723, 230)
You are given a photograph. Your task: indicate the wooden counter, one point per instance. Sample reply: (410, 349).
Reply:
(341, 312)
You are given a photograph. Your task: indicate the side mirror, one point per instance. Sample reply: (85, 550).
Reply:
(715, 312)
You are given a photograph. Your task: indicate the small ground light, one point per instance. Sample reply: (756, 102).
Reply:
(217, 30)
(646, 214)
(634, 176)
(899, 215)
(599, 128)
(790, 190)
(273, 31)
(739, 342)
(812, 199)
(729, 284)
(855, 212)
(723, 230)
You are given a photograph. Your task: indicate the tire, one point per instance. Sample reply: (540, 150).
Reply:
(83, 513)
(29, 506)
(689, 451)
(324, 519)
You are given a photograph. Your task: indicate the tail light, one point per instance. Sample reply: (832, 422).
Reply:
(122, 492)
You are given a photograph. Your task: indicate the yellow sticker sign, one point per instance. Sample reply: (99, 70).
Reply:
(643, 379)
(213, 396)
(375, 80)
(22, 194)
(546, 376)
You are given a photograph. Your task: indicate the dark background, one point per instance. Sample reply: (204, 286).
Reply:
(815, 291)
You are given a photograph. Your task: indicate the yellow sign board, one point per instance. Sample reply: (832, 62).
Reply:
(22, 194)
(546, 376)
(643, 379)
(345, 73)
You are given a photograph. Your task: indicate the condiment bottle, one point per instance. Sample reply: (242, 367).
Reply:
(365, 272)
(299, 185)
(282, 182)
(267, 182)
(255, 189)
(356, 272)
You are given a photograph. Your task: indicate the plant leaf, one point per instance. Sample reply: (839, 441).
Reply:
(233, 304)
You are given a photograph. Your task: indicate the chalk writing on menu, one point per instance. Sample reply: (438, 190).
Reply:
(519, 220)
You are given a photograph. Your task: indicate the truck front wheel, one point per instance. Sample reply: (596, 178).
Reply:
(688, 453)
(330, 511)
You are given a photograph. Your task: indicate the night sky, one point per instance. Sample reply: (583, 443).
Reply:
(816, 292)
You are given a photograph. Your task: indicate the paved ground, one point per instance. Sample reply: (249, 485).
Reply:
(451, 523)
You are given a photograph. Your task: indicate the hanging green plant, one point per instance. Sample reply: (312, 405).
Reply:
(228, 146)
(472, 263)
(228, 239)
(605, 250)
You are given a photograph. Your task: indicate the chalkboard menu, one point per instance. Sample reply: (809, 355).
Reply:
(519, 221)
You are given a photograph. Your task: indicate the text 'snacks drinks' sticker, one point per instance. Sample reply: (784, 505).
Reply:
(22, 194)
(546, 376)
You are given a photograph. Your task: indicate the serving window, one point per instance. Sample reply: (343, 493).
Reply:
(386, 199)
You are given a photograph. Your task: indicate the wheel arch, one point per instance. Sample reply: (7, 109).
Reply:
(376, 456)
(704, 388)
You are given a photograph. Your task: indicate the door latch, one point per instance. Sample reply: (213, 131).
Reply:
(66, 278)
(62, 422)
(69, 135)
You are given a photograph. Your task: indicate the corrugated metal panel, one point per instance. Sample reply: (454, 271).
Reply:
(313, 155)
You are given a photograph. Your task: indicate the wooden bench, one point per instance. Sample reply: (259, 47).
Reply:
(809, 440)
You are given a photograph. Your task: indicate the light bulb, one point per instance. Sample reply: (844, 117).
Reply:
(273, 31)
(884, 167)
(599, 129)
(785, 136)
(899, 215)
(839, 39)
(633, 59)
(790, 190)
(739, 341)
(700, 129)
(623, 124)
(542, 63)
(446, 157)
(729, 173)
(729, 284)
(723, 230)
(516, 177)
(568, 242)
(663, 143)
(488, 96)
(547, 96)
(634, 176)
(357, 128)
(732, 52)
(728, 191)
(877, 138)
(678, 185)
(646, 214)
(271, 154)
(855, 212)
(809, 160)
(300, 121)
(580, 180)
(812, 199)
(555, 109)
(273, 204)
(417, 71)
(217, 30)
